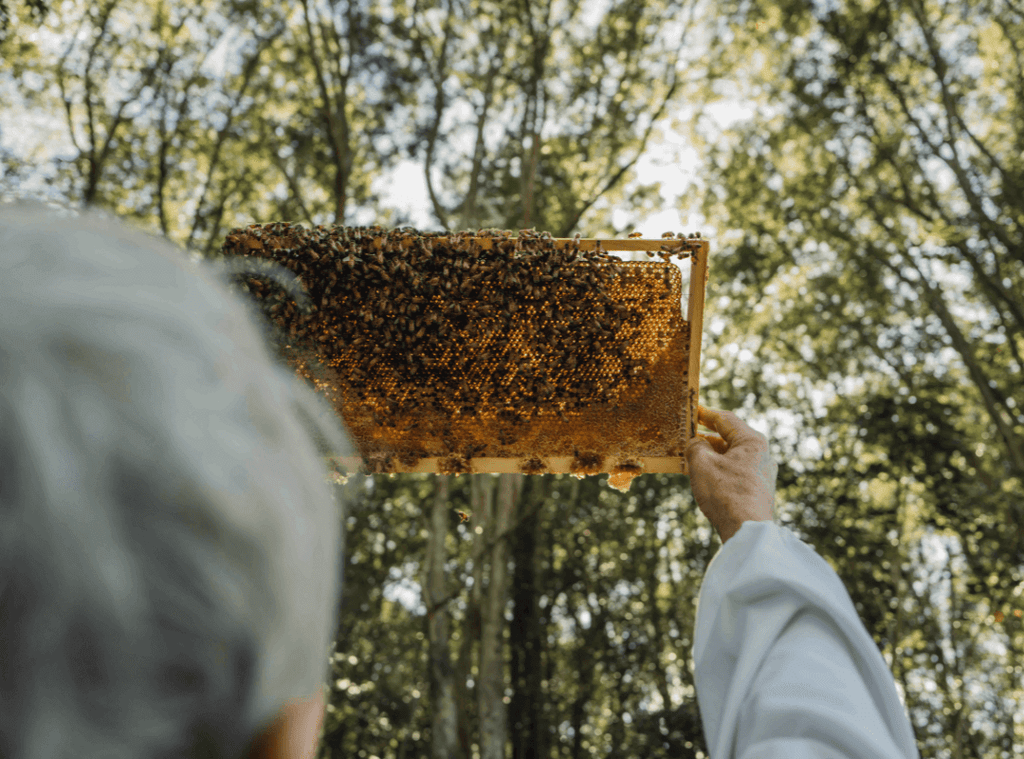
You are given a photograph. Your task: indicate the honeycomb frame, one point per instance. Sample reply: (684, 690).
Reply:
(642, 425)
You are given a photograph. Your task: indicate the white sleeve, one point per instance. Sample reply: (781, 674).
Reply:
(784, 666)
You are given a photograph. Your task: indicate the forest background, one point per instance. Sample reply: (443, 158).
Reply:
(865, 309)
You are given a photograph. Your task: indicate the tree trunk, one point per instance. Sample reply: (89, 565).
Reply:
(481, 505)
(335, 120)
(528, 735)
(491, 688)
(444, 716)
(995, 402)
(469, 217)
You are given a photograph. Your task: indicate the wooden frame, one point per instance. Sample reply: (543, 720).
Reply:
(698, 255)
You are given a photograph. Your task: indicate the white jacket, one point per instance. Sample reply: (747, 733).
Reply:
(784, 666)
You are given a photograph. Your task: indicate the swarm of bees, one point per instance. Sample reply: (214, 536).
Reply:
(453, 345)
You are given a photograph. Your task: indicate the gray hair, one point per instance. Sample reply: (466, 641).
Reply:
(170, 558)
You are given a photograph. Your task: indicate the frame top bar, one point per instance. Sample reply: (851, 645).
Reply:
(591, 243)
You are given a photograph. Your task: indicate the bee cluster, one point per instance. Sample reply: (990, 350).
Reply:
(419, 330)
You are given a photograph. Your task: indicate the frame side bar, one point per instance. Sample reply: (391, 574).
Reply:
(695, 315)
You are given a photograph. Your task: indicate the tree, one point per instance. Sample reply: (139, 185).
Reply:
(903, 161)
(538, 110)
(196, 119)
(445, 718)
(868, 285)
(36, 8)
(149, 107)
(499, 513)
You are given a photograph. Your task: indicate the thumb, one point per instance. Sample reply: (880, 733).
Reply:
(697, 452)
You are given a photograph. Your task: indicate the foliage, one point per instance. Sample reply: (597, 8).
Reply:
(879, 302)
(545, 107)
(613, 585)
(196, 118)
(37, 9)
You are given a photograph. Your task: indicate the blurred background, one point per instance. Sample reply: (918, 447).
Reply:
(859, 168)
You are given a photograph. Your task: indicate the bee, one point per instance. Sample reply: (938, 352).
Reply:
(634, 235)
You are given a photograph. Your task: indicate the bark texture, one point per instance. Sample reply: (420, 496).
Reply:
(444, 717)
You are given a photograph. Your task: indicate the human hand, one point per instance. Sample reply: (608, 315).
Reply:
(731, 474)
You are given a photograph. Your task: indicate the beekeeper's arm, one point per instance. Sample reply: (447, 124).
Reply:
(784, 666)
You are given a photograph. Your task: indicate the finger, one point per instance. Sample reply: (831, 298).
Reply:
(698, 450)
(725, 423)
(717, 442)
(733, 429)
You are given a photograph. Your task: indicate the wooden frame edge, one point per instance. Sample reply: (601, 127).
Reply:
(495, 465)
(695, 315)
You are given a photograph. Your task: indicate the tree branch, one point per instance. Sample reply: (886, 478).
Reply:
(328, 110)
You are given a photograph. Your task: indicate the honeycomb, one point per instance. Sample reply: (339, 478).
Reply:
(488, 352)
